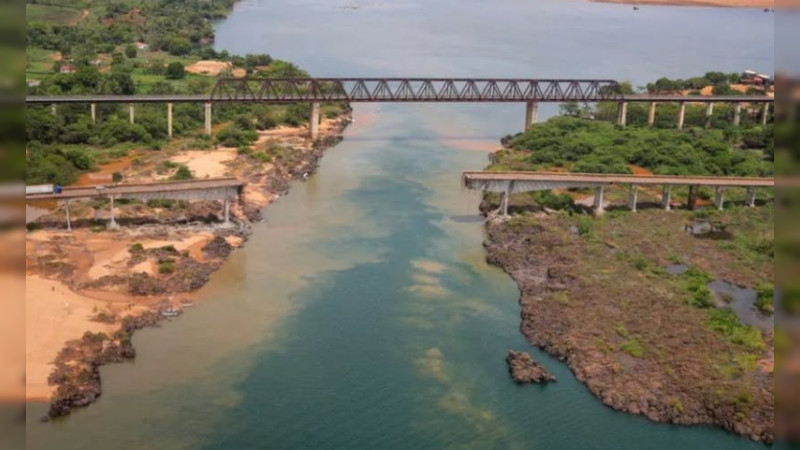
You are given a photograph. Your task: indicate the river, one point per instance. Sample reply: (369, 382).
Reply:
(361, 314)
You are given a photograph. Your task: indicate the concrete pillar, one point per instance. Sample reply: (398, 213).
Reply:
(506, 195)
(709, 113)
(598, 199)
(651, 114)
(69, 220)
(313, 121)
(112, 224)
(169, 120)
(53, 109)
(208, 119)
(227, 213)
(692, 202)
(130, 112)
(666, 197)
(764, 113)
(737, 114)
(622, 111)
(93, 109)
(751, 197)
(719, 197)
(633, 197)
(531, 114)
(681, 115)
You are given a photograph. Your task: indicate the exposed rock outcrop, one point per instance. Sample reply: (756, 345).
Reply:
(525, 369)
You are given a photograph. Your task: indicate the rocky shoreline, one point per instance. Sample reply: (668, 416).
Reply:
(524, 369)
(76, 374)
(674, 383)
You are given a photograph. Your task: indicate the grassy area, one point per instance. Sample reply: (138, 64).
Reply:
(52, 13)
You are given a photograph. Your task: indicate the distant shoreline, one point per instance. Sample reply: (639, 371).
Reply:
(760, 4)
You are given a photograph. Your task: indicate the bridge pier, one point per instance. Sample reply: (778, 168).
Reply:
(709, 113)
(622, 114)
(313, 121)
(692, 201)
(112, 224)
(531, 114)
(651, 114)
(93, 111)
(681, 115)
(751, 197)
(207, 110)
(719, 197)
(666, 197)
(598, 200)
(737, 114)
(764, 114)
(227, 211)
(53, 109)
(169, 120)
(131, 113)
(633, 197)
(69, 220)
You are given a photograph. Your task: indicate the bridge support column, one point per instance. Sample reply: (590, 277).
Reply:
(751, 197)
(737, 114)
(69, 220)
(531, 114)
(764, 114)
(313, 121)
(709, 113)
(666, 197)
(227, 211)
(131, 113)
(692, 202)
(598, 199)
(622, 114)
(169, 120)
(681, 115)
(93, 110)
(719, 197)
(53, 109)
(633, 196)
(208, 119)
(651, 114)
(112, 223)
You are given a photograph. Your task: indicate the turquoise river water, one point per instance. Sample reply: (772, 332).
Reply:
(361, 314)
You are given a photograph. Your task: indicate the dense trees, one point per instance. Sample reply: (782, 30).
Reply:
(175, 71)
(582, 145)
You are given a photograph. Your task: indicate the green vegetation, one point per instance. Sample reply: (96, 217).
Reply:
(696, 282)
(633, 347)
(593, 146)
(166, 267)
(725, 321)
(136, 248)
(183, 173)
(129, 47)
(766, 298)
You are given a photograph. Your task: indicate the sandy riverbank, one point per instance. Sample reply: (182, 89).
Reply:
(93, 280)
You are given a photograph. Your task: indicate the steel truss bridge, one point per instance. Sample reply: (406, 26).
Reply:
(321, 90)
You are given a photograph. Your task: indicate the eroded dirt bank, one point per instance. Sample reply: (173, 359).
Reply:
(89, 289)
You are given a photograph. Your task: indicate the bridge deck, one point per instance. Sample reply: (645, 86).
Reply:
(152, 190)
(527, 181)
(636, 98)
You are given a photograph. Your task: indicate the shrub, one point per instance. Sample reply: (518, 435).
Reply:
(766, 298)
(175, 71)
(166, 267)
(136, 248)
(183, 173)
